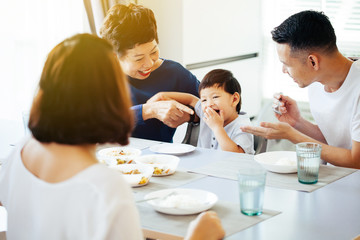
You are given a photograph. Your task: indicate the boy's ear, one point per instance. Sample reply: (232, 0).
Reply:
(236, 99)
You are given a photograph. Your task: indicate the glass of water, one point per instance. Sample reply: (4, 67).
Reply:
(308, 162)
(251, 190)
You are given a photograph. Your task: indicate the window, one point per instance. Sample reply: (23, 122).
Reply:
(343, 14)
(30, 29)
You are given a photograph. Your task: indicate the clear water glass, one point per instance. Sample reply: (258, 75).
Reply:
(251, 190)
(308, 162)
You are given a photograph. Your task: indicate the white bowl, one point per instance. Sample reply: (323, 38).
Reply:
(278, 161)
(163, 164)
(117, 155)
(135, 174)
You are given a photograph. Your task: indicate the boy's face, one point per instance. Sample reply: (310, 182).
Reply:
(219, 100)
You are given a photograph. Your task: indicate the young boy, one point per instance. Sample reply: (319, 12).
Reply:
(219, 107)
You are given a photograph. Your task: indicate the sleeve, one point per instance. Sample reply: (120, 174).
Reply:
(138, 114)
(198, 110)
(194, 84)
(355, 125)
(242, 139)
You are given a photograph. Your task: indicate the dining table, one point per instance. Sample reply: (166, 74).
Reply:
(329, 209)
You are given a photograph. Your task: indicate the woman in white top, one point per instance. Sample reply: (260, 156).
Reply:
(52, 185)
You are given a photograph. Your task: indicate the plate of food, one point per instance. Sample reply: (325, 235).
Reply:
(136, 175)
(278, 161)
(181, 201)
(172, 148)
(118, 155)
(162, 164)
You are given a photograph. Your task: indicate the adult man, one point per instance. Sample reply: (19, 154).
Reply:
(306, 46)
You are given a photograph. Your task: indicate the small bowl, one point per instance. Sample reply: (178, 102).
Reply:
(278, 161)
(118, 155)
(135, 174)
(163, 164)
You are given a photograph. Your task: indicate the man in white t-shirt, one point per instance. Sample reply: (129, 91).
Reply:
(306, 46)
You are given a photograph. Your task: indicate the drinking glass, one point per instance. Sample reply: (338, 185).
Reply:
(251, 190)
(308, 162)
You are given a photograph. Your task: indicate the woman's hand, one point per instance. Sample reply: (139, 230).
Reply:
(206, 226)
(289, 110)
(170, 112)
(213, 119)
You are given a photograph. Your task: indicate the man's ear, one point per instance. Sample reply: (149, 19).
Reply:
(313, 61)
(235, 99)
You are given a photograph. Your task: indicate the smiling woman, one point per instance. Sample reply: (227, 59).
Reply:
(132, 30)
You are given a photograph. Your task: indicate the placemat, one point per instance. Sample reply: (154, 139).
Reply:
(227, 168)
(232, 220)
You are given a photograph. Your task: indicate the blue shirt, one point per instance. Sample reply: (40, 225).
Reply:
(170, 76)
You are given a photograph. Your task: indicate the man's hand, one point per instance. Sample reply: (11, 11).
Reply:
(169, 112)
(268, 130)
(289, 110)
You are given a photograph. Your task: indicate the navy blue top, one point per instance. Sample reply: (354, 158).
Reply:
(170, 76)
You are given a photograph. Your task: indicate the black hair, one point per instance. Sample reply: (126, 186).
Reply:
(306, 30)
(223, 79)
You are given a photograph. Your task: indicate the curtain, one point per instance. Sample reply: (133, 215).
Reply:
(96, 11)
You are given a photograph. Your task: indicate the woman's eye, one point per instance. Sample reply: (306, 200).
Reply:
(153, 53)
(138, 60)
(215, 97)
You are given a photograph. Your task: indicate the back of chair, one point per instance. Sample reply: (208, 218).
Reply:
(192, 134)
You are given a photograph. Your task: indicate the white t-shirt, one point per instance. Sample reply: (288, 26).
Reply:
(207, 138)
(94, 204)
(337, 114)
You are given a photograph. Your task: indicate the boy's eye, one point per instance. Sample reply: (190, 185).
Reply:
(203, 100)
(215, 96)
(138, 60)
(153, 53)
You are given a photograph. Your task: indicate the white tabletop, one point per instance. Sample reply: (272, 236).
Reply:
(331, 212)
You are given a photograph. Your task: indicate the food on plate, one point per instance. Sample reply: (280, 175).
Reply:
(162, 164)
(143, 180)
(135, 171)
(180, 201)
(118, 155)
(122, 161)
(159, 171)
(284, 161)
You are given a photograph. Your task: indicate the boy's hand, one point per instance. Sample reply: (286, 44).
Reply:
(213, 119)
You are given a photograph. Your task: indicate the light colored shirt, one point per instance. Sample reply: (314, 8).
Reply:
(207, 138)
(96, 203)
(337, 114)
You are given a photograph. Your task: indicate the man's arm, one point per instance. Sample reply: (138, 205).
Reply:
(337, 156)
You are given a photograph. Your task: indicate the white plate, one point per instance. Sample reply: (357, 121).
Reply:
(278, 161)
(172, 148)
(135, 180)
(112, 157)
(183, 202)
(162, 164)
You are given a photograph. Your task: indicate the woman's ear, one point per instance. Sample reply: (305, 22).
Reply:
(235, 99)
